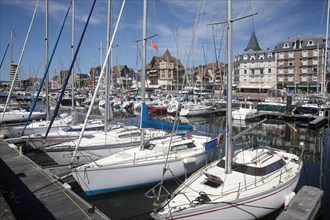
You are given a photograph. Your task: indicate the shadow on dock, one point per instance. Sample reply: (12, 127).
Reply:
(33, 194)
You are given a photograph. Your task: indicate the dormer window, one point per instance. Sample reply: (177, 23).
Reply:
(252, 57)
(286, 45)
(270, 55)
(245, 57)
(310, 43)
(297, 44)
(261, 57)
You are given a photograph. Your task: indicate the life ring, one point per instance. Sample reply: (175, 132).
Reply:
(220, 138)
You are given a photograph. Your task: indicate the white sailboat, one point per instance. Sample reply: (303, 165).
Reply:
(164, 157)
(245, 109)
(99, 144)
(247, 184)
(61, 134)
(35, 127)
(195, 109)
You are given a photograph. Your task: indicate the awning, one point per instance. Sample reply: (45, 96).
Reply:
(254, 87)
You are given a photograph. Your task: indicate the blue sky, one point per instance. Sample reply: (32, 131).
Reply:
(180, 25)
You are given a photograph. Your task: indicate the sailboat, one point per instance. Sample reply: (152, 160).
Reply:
(165, 157)
(245, 184)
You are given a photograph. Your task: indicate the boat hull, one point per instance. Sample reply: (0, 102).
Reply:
(116, 178)
(249, 208)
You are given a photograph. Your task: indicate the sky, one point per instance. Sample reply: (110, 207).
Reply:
(181, 26)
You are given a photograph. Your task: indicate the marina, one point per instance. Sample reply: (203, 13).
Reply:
(244, 135)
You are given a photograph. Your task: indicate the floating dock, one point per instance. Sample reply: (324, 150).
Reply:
(312, 121)
(33, 194)
(304, 206)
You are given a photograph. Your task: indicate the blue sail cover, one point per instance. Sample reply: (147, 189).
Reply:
(211, 144)
(149, 122)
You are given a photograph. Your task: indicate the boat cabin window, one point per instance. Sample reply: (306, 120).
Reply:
(129, 135)
(183, 146)
(254, 171)
(149, 146)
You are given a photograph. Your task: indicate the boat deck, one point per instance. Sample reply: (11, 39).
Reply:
(33, 194)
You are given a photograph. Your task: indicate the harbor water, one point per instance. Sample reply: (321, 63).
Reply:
(133, 204)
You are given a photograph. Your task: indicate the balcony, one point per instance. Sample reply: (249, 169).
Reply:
(165, 65)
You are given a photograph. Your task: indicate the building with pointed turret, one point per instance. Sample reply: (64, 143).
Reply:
(296, 65)
(255, 69)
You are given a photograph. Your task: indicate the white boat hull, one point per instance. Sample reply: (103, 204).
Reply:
(20, 116)
(245, 193)
(116, 178)
(253, 207)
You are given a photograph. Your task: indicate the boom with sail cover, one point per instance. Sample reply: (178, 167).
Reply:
(149, 122)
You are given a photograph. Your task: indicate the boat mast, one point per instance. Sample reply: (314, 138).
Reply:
(46, 64)
(108, 110)
(99, 82)
(143, 73)
(229, 144)
(326, 51)
(73, 59)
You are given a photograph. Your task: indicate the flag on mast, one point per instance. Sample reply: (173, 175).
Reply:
(153, 45)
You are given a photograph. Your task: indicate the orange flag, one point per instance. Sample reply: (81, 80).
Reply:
(154, 45)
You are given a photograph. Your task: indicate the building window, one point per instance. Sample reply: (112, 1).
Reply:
(286, 45)
(310, 43)
(297, 44)
(245, 72)
(269, 70)
(291, 71)
(261, 73)
(252, 57)
(270, 55)
(245, 57)
(304, 62)
(281, 63)
(281, 71)
(304, 77)
(290, 78)
(252, 73)
(304, 53)
(304, 70)
(315, 52)
(291, 54)
(281, 55)
(291, 62)
(261, 56)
